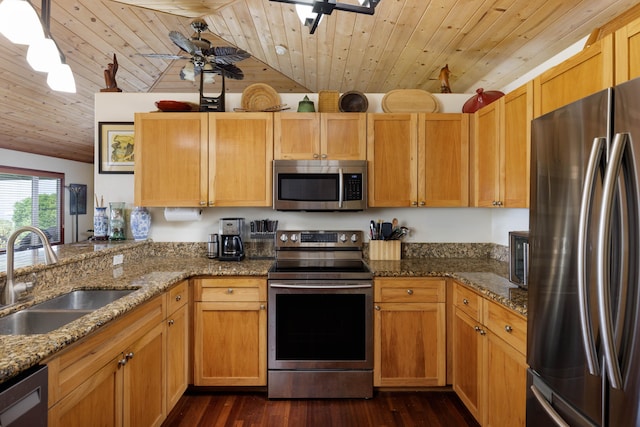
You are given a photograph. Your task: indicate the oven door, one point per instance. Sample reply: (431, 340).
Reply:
(316, 326)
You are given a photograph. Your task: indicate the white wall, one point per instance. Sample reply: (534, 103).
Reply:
(74, 173)
(427, 225)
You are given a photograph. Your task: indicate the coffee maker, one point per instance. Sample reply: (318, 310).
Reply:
(231, 248)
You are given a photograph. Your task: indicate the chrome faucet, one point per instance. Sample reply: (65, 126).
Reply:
(10, 291)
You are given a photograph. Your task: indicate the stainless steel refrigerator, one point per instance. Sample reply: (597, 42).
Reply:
(584, 298)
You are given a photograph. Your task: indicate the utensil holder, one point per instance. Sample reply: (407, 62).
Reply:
(384, 250)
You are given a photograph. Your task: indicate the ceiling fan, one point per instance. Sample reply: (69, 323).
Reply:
(205, 59)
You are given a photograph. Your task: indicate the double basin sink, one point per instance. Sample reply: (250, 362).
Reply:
(54, 313)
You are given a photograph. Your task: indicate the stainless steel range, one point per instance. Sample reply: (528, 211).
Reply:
(320, 317)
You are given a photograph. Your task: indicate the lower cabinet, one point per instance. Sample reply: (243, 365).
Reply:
(115, 377)
(489, 363)
(409, 332)
(230, 331)
(178, 328)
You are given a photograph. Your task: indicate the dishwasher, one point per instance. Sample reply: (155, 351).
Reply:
(23, 399)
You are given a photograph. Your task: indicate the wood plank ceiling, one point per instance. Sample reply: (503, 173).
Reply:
(486, 43)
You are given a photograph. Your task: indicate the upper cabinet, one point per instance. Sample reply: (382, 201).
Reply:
(587, 72)
(203, 159)
(330, 136)
(500, 151)
(418, 160)
(627, 42)
(171, 159)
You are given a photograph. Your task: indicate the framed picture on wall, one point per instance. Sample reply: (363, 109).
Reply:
(115, 147)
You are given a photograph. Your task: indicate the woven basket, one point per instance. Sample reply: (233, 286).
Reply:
(259, 97)
(328, 101)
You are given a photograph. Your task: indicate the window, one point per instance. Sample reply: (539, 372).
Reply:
(30, 197)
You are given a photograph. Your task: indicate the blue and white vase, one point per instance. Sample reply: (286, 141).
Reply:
(100, 223)
(140, 223)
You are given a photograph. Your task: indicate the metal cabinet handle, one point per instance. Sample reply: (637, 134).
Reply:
(230, 290)
(263, 307)
(377, 307)
(483, 332)
(465, 301)
(171, 322)
(410, 291)
(508, 328)
(476, 328)
(129, 355)
(324, 156)
(422, 203)
(178, 297)
(316, 155)
(122, 362)
(203, 203)
(414, 203)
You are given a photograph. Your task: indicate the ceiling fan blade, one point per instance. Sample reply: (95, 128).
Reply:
(230, 71)
(163, 56)
(226, 54)
(182, 42)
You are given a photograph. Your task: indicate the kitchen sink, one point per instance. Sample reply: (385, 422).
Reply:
(86, 299)
(56, 312)
(27, 322)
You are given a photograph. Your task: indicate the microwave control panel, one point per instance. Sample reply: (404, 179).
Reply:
(353, 187)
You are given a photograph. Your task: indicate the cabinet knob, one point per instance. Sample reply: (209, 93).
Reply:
(171, 322)
(483, 332)
(414, 203)
(422, 203)
(410, 291)
(129, 355)
(465, 301)
(230, 290)
(122, 362)
(324, 156)
(211, 203)
(178, 297)
(316, 155)
(203, 203)
(377, 307)
(508, 328)
(263, 307)
(476, 328)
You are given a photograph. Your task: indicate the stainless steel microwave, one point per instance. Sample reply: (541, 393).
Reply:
(519, 258)
(320, 185)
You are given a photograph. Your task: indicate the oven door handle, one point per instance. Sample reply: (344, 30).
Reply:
(284, 286)
(341, 187)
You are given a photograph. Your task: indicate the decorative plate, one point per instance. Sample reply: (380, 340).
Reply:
(409, 101)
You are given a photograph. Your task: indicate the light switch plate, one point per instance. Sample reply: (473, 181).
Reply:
(118, 259)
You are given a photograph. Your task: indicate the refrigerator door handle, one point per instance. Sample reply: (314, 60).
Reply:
(595, 157)
(620, 143)
(548, 408)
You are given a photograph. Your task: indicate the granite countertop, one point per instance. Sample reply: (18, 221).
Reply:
(154, 274)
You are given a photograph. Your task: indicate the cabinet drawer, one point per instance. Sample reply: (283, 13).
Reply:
(178, 296)
(506, 324)
(411, 289)
(467, 301)
(229, 290)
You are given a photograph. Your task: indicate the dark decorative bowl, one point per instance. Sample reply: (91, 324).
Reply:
(353, 102)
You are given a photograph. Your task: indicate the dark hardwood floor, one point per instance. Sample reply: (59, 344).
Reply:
(386, 409)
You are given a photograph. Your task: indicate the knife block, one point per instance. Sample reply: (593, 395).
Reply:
(384, 250)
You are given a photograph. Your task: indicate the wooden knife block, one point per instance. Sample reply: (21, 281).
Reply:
(384, 250)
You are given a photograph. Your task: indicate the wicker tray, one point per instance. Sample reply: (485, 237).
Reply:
(328, 101)
(409, 101)
(259, 97)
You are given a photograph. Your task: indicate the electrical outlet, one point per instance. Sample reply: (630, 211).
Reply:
(118, 259)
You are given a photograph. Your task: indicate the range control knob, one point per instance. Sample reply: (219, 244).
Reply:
(283, 237)
(354, 237)
(294, 237)
(343, 238)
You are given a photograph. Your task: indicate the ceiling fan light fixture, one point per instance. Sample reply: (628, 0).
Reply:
(19, 22)
(61, 79)
(208, 74)
(43, 55)
(188, 72)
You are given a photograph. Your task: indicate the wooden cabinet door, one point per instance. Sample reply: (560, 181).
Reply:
(296, 136)
(177, 355)
(505, 385)
(585, 73)
(392, 156)
(240, 155)
(170, 159)
(467, 362)
(95, 402)
(486, 156)
(144, 386)
(518, 113)
(627, 44)
(343, 136)
(443, 160)
(230, 344)
(409, 345)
